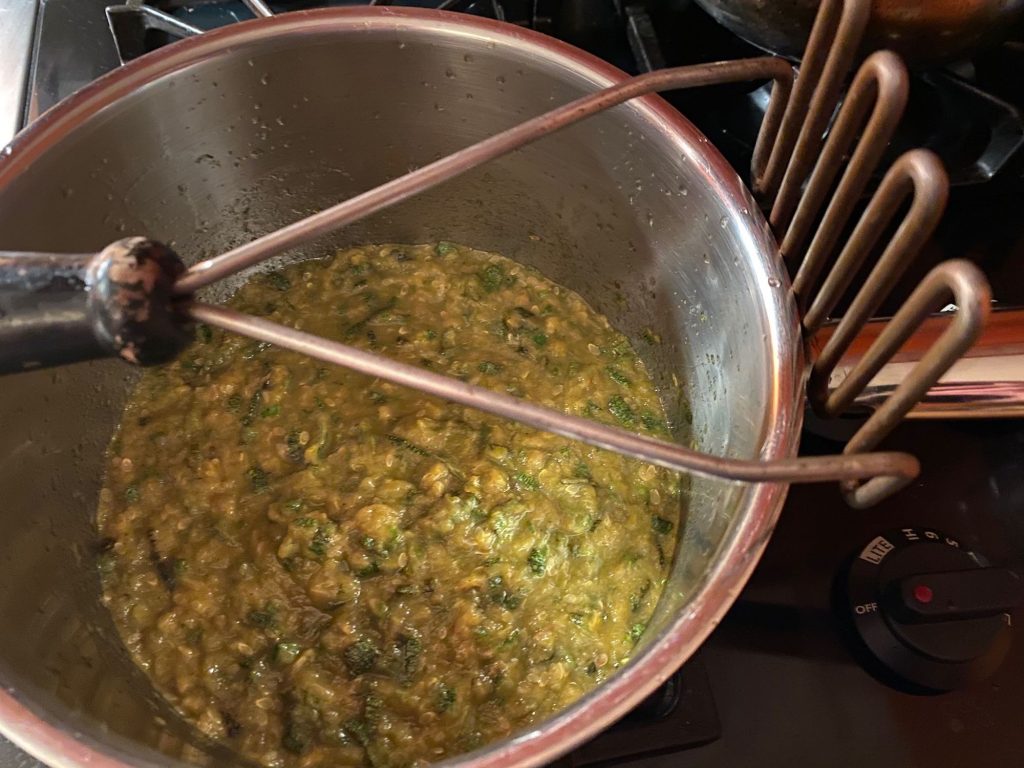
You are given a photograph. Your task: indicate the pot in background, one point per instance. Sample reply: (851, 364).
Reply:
(923, 32)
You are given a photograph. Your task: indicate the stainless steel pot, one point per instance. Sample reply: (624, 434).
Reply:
(228, 135)
(921, 31)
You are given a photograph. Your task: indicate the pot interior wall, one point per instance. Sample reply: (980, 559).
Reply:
(619, 208)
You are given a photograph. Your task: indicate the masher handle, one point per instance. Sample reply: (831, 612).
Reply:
(44, 310)
(64, 308)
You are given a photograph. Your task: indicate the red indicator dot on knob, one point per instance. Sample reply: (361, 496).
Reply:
(923, 593)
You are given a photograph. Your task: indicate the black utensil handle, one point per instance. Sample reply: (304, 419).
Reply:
(44, 311)
(63, 308)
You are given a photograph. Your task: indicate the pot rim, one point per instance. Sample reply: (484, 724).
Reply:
(742, 546)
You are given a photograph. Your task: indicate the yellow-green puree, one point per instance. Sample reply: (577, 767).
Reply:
(321, 569)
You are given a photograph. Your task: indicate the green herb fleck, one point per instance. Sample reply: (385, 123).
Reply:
(369, 571)
(445, 697)
(408, 445)
(321, 541)
(358, 731)
(131, 494)
(259, 478)
(296, 452)
(270, 411)
(252, 409)
(286, 653)
(620, 349)
(262, 619)
(443, 248)
(106, 563)
(537, 560)
(651, 421)
(618, 376)
(527, 481)
(493, 278)
(540, 339)
(409, 650)
(636, 631)
(490, 368)
(361, 656)
(636, 599)
(661, 525)
(620, 409)
(295, 739)
(373, 708)
(500, 594)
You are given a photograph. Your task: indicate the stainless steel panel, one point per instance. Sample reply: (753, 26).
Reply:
(73, 47)
(17, 31)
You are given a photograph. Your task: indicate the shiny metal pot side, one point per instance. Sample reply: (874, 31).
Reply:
(214, 140)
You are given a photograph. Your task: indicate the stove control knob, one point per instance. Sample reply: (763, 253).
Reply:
(929, 615)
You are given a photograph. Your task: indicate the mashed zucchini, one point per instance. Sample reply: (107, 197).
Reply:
(318, 568)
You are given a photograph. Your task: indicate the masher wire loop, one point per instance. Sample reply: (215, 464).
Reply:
(882, 78)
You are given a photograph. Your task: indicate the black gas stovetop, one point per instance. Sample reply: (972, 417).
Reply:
(832, 654)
